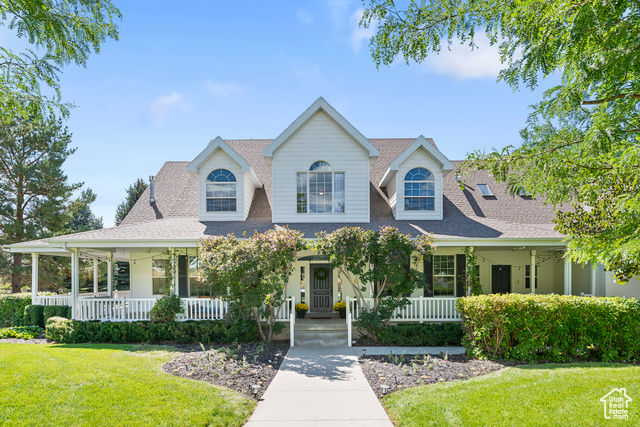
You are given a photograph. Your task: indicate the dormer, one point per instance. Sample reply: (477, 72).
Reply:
(414, 181)
(226, 183)
(320, 168)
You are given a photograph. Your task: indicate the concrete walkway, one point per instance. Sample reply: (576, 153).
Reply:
(322, 386)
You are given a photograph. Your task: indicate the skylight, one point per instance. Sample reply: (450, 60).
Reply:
(485, 190)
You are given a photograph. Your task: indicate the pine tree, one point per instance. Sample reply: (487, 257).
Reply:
(34, 191)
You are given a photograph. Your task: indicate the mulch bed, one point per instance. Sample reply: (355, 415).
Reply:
(401, 371)
(237, 367)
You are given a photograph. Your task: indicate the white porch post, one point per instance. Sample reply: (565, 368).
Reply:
(532, 272)
(95, 275)
(174, 270)
(75, 282)
(34, 277)
(567, 276)
(110, 274)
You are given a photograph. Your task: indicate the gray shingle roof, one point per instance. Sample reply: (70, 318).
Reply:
(467, 214)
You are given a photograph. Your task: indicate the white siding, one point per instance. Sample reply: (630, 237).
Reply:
(392, 194)
(418, 159)
(249, 191)
(320, 139)
(221, 160)
(630, 289)
(580, 279)
(140, 267)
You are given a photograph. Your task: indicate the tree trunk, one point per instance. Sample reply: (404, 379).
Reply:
(16, 281)
(257, 317)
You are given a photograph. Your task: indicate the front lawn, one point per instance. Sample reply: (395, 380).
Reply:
(89, 385)
(532, 395)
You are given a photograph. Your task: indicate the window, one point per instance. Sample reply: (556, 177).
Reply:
(485, 190)
(221, 191)
(444, 275)
(419, 190)
(160, 276)
(527, 276)
(197, 287)
(320, 190)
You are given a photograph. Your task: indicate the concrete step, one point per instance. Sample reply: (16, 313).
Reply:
(300, 326)
(327, 342)
(320, 337)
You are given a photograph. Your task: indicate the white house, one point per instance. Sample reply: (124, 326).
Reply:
(321, 173)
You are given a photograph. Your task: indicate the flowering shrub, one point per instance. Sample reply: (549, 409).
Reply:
(551, 327)
(165, 309)
(302, 307)
(340, 306)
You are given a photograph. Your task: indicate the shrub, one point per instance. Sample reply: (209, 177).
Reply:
(302, 307)
(60, 330)
(56, 311)
(340, 306)
(551, 327)
(190, 332)
(12, 309)
(34, 315)
(425, 334)
(165, 309)
(21, 332)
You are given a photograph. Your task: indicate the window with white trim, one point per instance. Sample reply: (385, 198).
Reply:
(527, 276)
(221, 191)
(419, 190)
(444, 275)
(197, 286)
(160, 275)
(320, 190)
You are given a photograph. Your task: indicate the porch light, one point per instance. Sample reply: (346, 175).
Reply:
(255, 387)
(385, 389)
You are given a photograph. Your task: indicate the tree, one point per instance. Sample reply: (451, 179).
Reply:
(581, 140)
(63, 31)
(384, 262)
(82, 218)
(133, 194)
(34, 192)
(252, 273)
(122, 268)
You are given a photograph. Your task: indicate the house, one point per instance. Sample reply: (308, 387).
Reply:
(321, 173)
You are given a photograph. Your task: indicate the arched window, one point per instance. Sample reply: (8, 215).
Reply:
(419, 190)
(221, 191)
(320, 190)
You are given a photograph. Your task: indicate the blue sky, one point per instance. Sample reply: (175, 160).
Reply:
(179, 77)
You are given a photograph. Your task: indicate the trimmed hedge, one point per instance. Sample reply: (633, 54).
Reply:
(12, 309)
(551, 327)
(56, 311)
(37, 315)
(190, 332)
(425, 334)
(34, 315)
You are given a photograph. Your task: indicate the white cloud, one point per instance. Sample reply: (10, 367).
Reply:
(304, 16)
(161, 106)
(224, 90)
(338, 12)
(359, 33)
(462, 63)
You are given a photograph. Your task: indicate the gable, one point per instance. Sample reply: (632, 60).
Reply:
(320, 105)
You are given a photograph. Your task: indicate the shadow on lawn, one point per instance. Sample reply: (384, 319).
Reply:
(137, 347)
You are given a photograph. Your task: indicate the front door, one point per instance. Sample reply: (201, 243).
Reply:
(321, 288)
(500, 279)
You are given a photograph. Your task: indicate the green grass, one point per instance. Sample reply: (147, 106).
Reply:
(107, 385)
(532, 395)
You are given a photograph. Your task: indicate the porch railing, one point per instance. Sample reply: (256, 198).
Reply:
(203, 309)
(420, 309)
(115, 310)
(52, 300)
